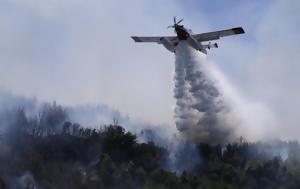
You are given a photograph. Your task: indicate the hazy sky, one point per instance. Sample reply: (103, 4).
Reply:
(79, 52)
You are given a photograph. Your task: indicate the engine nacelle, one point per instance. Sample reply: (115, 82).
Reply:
(168, 44)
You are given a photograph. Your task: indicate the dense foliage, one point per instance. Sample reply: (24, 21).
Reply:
(49, 152)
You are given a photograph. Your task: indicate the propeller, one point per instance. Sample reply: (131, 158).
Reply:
(175, 23)
(179, 21)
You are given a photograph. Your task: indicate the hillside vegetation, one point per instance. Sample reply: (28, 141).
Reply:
(47, 152)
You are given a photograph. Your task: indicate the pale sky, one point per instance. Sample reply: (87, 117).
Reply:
(80, 52)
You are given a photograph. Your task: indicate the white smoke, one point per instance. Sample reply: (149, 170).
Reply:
(250, 118)
(208, 108)
(24, 181)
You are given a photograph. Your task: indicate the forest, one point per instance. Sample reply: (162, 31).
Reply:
(48, 151)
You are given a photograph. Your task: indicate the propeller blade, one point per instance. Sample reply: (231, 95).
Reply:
(179, 21)
(174, 19)
(170, 26)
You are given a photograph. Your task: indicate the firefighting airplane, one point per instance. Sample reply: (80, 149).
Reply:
(170, 42)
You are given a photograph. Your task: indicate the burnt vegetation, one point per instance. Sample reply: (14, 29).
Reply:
(48, 151)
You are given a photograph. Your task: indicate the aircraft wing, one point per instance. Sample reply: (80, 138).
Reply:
(154, 39)
(218, 34)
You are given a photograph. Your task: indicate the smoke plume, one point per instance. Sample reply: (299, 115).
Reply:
(209, 108)
(202, 113)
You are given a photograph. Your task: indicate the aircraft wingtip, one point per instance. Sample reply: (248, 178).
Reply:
(238, 30)
(136, 39)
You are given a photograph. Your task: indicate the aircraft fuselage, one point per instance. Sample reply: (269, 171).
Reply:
(184, 35)
(181, 32)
